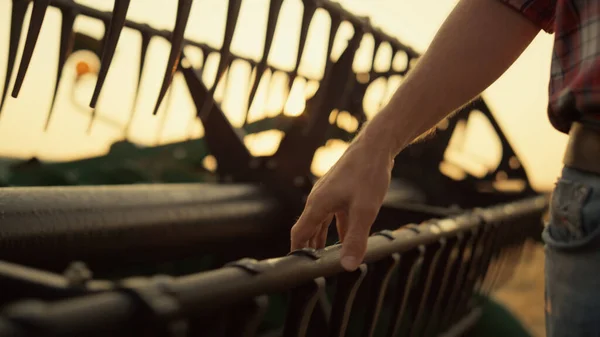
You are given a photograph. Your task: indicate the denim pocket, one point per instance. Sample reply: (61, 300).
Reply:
(568, 226)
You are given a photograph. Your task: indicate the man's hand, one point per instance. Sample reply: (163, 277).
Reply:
(475, 45)
(352, 191)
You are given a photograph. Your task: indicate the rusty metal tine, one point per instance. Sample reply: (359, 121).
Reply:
(163, 118)
(376, 46)
(309, 11)
(247, 317)
(261, 67)
(451, 262)
(346, 289)
(274, 9)
(233, 12)
(424, 287)
(302, 304)
(382, 272)
(336, 21)
(35, 25)
(66, 47)
(307, 16)
(18, 11)
(408, 274)
(88, 131)
(177, 39)
(111, 39)
(260, 70)
(146, 37)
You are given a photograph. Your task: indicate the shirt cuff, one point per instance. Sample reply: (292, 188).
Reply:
(539, 12)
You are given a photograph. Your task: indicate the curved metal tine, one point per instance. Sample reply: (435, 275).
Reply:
(184, 9)
(424, 288)
(336, 21)
(274, 9)
(66, 47)
(464, 289)
(346, 289)
(233, 12)
(111, 38)
(457, 286)
(309, 12)
(410, 265)
(376, 46)
(35, 25)
(163, 118)
(487, 258)
(498, 257)
(18, 11)
(381, 274)
(454, 250)
(146, 37)
(301, 306)
(247, 317)
(200, 73)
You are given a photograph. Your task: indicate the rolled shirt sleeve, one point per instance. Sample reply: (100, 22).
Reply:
(540, 12)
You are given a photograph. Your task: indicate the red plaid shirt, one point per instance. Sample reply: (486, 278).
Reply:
(575, 73)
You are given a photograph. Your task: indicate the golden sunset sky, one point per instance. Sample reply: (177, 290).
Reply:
(518, 99)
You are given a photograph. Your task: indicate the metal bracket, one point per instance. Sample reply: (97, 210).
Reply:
(160, 301)
(386, 233)
(308, 252)
(252, 266)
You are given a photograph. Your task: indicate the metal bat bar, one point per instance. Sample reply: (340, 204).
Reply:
(224, 288)
(83, 221)
(19, 9)
(66, 46)
(183, 14)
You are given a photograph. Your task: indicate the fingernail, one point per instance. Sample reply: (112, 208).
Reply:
(350, 263)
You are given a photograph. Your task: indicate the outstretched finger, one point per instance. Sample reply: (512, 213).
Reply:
(354, 245)
(307, 225)
(341, 223)
(321, 237)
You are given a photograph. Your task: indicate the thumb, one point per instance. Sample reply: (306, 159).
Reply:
(354, 245)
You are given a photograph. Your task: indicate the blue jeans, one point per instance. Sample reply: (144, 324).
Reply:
(572, 240)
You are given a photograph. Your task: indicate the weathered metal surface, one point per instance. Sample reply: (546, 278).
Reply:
(48, 226)
(421, 279)
(303, 275)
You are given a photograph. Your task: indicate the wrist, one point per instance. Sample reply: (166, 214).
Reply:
(386, 133)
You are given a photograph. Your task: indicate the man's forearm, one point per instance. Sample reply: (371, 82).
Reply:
(475, 45)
